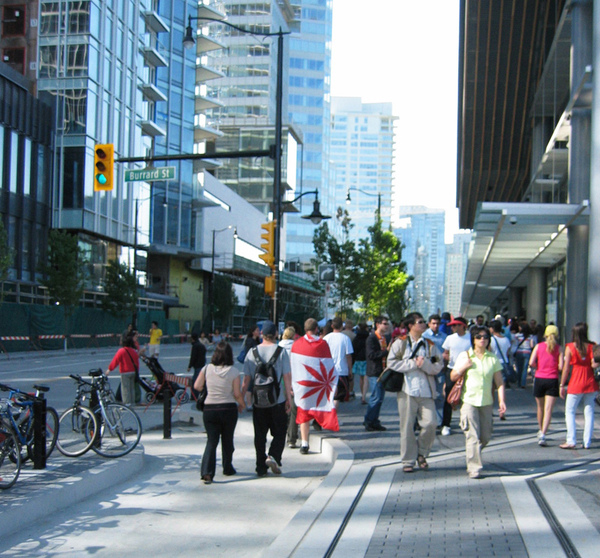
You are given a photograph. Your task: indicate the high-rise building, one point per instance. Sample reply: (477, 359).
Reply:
(362, 150)
(424, 252)
(457, 257)
(117, 72)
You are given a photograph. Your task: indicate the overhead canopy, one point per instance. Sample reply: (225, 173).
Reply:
(507, 239)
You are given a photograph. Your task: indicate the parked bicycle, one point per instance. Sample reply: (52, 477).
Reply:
(17, 411)
(112, 430)
(10, 456)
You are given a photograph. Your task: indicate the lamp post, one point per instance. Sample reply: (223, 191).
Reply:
(316, 216)
(212, 275)
(348, 200)
(188, 42)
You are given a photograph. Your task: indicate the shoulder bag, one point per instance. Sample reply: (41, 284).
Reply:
(391, 379)
(203, 393)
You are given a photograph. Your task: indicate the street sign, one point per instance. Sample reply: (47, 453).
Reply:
(327, 273)
(149, 174)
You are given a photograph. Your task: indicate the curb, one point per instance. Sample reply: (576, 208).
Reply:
(38, 504)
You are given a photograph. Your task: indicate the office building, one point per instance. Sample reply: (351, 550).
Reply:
(362, 150)
(422, 233)
(457, 257)
(528, 160)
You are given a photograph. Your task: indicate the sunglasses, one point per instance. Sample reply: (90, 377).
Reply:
(482, 337)
(420, 322)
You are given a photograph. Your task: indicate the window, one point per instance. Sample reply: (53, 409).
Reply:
(15, 58)
(13, 21)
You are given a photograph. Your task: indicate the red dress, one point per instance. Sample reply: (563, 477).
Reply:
(582, 375)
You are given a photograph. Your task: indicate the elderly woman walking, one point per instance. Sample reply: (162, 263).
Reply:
(481, 370)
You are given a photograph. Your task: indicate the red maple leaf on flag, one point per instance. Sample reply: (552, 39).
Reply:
(322, 385)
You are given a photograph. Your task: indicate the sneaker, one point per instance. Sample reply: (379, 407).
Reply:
(446, 431)
(304, 450)
(272, 464)
(379, 427)
(474, 475)
(292, 445)
(542, 441)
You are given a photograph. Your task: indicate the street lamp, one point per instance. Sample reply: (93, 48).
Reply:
(212, 272)
(188, 42)
(316, 216)
(135, 251)
(348, 200)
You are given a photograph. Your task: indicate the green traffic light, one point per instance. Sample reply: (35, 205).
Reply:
(101, 178)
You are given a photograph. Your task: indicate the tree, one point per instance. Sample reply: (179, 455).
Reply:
(383, 280)
(224, 299)
(343, 255)
(121, 290)
(64, 272)
(6, 258)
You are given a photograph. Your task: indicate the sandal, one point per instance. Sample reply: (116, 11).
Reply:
(422, 462)
(567, 446)
(408, 469)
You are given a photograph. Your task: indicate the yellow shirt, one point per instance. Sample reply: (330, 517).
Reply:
(155, 335)
(479, 379)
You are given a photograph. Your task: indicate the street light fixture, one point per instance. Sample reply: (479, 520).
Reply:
(188, 42)
(212, 272)
(316, 216)
(349, 200)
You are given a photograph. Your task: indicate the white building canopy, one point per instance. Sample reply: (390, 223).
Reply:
(509, 238)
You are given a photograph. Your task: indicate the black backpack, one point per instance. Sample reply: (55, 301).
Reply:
(266, 387)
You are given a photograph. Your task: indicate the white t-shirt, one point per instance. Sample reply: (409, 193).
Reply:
(455, 344)
(340, 346)
(500, 346)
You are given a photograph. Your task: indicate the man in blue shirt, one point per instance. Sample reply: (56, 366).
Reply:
(434, 334)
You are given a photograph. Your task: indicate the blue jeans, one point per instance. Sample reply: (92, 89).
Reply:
(375, 401)
(521, 364)
(571, 404)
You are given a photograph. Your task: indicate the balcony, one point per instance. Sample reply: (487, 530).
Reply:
(202, 133)
(204, 73)
(153, 57)
(152, 93)
(152, 129)
(155, 22)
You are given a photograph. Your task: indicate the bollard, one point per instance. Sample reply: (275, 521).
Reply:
(166, 412)
(39, 431)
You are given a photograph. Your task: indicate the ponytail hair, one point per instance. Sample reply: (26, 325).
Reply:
(551, 342)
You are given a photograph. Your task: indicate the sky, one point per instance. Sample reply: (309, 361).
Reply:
(406, 52)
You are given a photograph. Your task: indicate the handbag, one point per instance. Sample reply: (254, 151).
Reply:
(202, 394)
(391, 380)
(453, 398)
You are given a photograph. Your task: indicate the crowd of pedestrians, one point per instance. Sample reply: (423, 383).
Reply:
(300, 378)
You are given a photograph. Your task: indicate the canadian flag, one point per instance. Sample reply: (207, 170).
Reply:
(314, 381)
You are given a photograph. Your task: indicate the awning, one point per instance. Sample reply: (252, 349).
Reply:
(509, 238)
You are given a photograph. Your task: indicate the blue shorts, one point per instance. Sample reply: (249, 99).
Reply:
(359, 368)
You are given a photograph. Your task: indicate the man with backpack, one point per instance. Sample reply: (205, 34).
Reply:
(269, 366)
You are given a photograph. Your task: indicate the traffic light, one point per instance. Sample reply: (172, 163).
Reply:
(270, 286)
(104, 162)
(269, 244)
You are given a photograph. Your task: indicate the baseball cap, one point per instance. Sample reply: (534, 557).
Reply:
(268, 328)
(458, 321)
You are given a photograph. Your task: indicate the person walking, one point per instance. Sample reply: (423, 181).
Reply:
(547, 360)
(128, 361)
(271, 419)
(377, 350)
(434, 334)
(287, 340)
(481, 370)
(578, 371)
(420, 361)
(223, 401)
(154, 343)
(456, 343)
(341, 351)
(359, 366)
(197, 360)
(523, 345)
(251, 340)
(500, 346)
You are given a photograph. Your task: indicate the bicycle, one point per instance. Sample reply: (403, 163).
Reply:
(18, 413)
(118, 429)
(10, 456)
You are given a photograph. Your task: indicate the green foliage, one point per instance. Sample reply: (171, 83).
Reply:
(121, 290)
(64, 271)
(384, 279)
(344, 256)
(6, 258)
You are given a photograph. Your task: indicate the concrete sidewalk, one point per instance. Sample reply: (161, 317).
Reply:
(348, 498)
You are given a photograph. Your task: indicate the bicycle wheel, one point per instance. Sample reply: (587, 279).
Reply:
(76, 428)
(10, 457)
(120, 431)
(51, 433)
